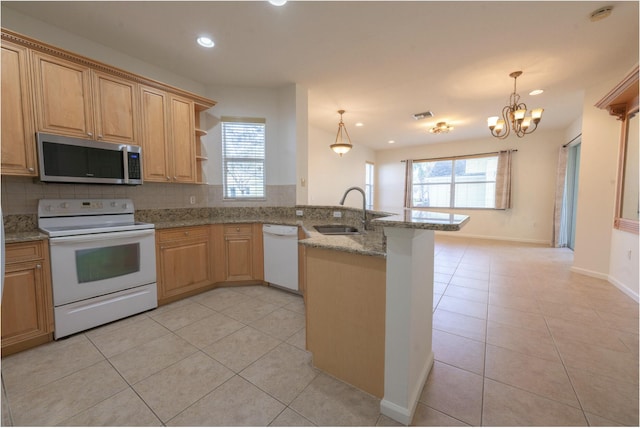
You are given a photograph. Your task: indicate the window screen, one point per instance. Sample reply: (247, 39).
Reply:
(243, 157)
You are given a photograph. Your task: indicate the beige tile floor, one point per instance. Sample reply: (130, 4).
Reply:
(519, 340)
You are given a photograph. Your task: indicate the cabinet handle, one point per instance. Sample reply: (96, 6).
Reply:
(100, 136)
(237, 229)
(175, 178)
(38, 266)
(31, 169)
(168, 178)
(186, 233)
(90, 134)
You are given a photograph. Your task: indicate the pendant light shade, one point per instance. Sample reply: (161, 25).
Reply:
(343, 141)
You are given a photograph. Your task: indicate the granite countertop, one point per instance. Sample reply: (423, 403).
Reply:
(19, 237)
(423, 219)
(370, 242)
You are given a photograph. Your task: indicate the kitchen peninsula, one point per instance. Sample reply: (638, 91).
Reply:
(369, 313)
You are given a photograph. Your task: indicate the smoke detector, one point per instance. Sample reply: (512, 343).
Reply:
(423, 115)
(601, 13)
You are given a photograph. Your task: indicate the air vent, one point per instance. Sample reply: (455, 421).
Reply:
(427, 114)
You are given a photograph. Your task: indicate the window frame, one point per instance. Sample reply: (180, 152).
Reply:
(369, 183)
(261, 161)
(452, 181)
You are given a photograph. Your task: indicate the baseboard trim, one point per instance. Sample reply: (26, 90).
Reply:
(624, 288)
(602, 276)
(490, 237)
(404, 415)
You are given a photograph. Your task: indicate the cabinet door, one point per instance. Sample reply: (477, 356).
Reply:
(154, 138)
(18, 140)
(115, 106)
(239, 257)
(62, 96)
(183, 140)
(184, 266)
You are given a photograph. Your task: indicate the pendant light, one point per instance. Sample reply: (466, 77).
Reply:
(343, 141)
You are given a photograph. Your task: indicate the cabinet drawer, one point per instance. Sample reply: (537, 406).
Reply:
(28, 251)
(237, 229)
(175, 234)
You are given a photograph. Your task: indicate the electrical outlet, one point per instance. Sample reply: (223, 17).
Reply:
(299, 213)
(337, 214)
(192, 199)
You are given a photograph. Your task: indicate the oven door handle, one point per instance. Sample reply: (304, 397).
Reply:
(101, 236)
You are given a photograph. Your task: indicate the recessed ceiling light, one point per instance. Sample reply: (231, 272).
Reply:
(391, 141)
(278, 2)
(205, 41)
(536, 92)
(359, 124)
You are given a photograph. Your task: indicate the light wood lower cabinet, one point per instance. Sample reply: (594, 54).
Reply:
(243, 252)
(183, 261)
(27, 304)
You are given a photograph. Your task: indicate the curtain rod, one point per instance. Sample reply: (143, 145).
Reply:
(460, 156)
(572, 140)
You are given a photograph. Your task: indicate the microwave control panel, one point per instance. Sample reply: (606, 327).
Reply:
(135, 172)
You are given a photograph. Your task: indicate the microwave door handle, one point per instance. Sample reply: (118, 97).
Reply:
(101, 236)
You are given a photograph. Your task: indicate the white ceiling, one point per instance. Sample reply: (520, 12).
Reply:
(381, 61)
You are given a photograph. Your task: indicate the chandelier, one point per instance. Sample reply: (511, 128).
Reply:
(441, 127)
(342, 144)
(514, 116)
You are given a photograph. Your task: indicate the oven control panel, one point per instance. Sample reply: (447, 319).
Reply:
(79, 207)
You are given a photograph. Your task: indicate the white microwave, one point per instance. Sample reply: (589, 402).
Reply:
(75, 160)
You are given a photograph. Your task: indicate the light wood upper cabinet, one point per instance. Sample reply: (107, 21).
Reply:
(62, 96)
(168, 137)
(154, 137)
(183, 139)
(116, 112)
(27, 305)
(18, 138)
(74, 100)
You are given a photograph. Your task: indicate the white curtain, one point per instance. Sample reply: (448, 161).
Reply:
(503, 180)
(408, 183)
(560, 238)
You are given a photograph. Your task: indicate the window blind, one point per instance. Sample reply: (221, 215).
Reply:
(243, 155)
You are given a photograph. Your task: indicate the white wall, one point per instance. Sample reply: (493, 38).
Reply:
(277, 107)
(331, 174)
(597, 183)
(533, 184)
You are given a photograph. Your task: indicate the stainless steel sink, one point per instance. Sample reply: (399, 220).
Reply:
(336, 229)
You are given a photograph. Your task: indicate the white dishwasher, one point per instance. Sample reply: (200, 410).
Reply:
(281, 255)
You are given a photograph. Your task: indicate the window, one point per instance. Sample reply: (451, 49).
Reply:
(462, 182)
(243, 153)
(368, 184)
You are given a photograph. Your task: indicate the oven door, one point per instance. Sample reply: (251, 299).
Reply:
(87, 266)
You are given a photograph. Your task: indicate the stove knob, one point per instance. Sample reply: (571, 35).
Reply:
(113, 204)
(47, 208)
(99, 204)
(64, 205)
(125, 206)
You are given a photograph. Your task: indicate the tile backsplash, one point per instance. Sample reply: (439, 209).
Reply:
(20, 195)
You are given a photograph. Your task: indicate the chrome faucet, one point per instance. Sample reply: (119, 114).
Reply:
(364, 203)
